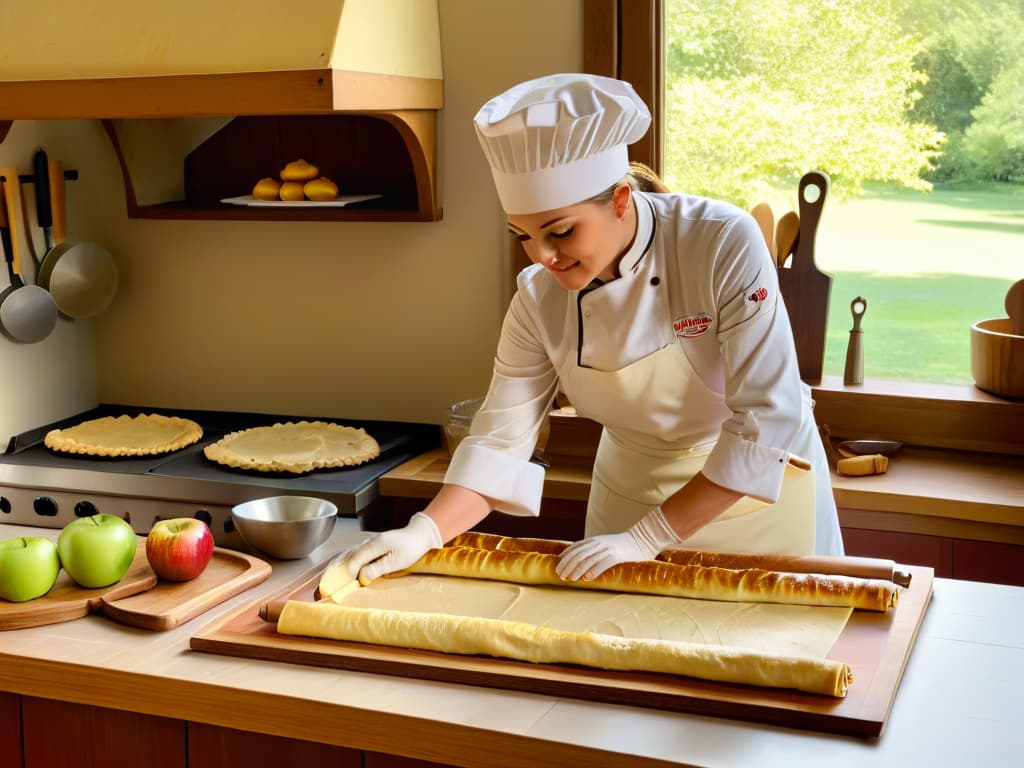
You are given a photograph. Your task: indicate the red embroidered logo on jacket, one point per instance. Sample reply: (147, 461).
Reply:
(759, 295)
(692, 325)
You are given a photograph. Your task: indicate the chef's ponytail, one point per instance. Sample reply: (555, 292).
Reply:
(644, 179)
(640, 178)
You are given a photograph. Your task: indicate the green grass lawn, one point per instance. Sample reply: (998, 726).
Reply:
(929, 267)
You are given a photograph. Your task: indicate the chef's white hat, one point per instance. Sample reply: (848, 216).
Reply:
(560, 139)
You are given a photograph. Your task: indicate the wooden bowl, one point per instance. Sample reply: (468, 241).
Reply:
(997, 358)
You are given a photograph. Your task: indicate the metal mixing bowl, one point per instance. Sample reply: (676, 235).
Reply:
(285, 527)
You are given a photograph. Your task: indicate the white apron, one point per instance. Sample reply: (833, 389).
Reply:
(635, 470)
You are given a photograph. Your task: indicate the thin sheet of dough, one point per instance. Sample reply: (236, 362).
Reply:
(792, 630)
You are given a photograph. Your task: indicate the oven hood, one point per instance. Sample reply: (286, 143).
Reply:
(195, 58)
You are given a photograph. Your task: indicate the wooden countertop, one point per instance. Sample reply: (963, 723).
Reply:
(957, 704)
(979, 488)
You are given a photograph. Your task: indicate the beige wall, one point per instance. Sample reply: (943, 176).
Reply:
(358, 320)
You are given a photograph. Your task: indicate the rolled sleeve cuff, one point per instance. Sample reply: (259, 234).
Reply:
(514, 485)
(744, 466)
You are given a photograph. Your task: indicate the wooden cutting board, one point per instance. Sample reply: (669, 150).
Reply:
(169, 603)
(875, 645)
(140, 599)
(806, 290)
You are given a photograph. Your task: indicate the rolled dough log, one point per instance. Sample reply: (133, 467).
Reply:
(527, 642)
(660, 578)
(859, 567)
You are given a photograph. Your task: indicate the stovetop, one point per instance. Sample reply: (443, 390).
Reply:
(40, 486)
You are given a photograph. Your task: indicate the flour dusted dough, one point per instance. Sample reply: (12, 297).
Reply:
(294, 447)
(113, 436)
(660, 578)
(539, 644)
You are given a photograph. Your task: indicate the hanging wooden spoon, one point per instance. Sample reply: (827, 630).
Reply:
(762, 213)
(787, 232)
(1015, 307)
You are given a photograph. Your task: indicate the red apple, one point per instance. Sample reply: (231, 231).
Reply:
(179, 549)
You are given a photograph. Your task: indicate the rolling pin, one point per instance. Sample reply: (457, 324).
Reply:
(271, 611)
(857, 567)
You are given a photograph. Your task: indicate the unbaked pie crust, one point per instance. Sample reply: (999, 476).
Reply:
(294, 447)
(113, 436)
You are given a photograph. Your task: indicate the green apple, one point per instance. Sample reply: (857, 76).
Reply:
(28, 568)
(97, 551)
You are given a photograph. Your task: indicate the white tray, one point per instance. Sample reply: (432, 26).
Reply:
(339, 202)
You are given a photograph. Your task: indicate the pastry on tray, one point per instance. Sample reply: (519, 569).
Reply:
(294, 447)
(115, 436)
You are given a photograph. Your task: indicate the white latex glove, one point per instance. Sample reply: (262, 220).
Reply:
(393, 550)
(589, 558)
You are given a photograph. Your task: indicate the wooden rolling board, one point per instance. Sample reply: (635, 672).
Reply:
(169, 603)
(875, 645)
(140, 599)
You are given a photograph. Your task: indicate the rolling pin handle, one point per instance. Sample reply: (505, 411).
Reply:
(271, 611)
(901, 578)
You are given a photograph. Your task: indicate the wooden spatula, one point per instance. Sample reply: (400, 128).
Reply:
(1015, 307)
(787, 233)
(762, 213)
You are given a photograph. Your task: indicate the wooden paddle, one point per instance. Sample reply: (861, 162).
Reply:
(1015, 307)
(806, 290)
(762, 213)
(787, 233)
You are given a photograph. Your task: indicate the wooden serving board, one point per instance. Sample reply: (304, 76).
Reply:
(875, 645)
(170, 603)
(140, 599)
(66, 600)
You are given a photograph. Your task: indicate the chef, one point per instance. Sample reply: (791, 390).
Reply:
(658, 315)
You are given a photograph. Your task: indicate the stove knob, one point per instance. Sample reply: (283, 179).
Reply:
(85, 509)
(5, 505)
(45, 506)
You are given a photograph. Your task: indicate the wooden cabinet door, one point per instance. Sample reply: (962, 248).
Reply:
(988, 561)
(10, 729)
(58, 734)
(211, 746)
(378, 760)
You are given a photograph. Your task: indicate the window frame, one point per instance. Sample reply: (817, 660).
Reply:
(625, 39)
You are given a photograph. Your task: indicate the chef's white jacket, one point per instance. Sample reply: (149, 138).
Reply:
(699, 275)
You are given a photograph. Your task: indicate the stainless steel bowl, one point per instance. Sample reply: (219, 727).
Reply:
(285, 527)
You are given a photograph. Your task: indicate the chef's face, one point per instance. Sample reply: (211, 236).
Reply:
(580, 242)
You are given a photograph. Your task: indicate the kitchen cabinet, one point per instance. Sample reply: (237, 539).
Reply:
(390, 153)
(353, 86)
(100, 737)
(211, 746)
(10, 729)
(378, 760)
(97, 737)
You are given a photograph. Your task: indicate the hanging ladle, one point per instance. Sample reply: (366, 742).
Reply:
(27, 312)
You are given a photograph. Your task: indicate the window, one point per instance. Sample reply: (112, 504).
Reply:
(633, 39)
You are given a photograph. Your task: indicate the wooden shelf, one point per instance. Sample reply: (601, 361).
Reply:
(292, 92)
(393, 154)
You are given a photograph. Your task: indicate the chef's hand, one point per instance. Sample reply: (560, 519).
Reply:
(393, 550)
(589, 558)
